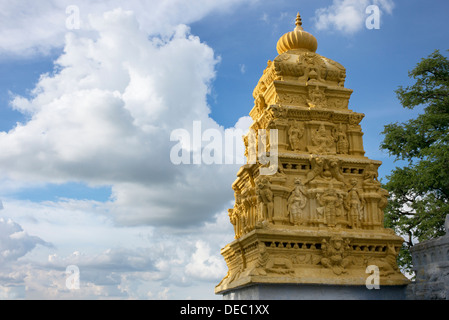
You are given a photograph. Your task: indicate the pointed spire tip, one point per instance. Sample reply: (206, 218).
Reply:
(298, 20)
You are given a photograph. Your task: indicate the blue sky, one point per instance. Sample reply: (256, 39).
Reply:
(86, 116)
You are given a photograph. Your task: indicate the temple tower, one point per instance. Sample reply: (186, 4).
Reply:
(317, 219)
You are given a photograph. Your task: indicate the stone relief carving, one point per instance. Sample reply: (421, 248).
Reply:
(354, 204)
(331, 208)
(295, 134)
(296, 204)
(383, 202)
(387, 265)
(317, 165)
(335, 254)
(370, 177)
(325, 169)
(322, 141)
(342, 141)
(317, 98)
(265, 198)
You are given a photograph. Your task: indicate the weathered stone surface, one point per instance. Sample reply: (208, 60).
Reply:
(431, 265)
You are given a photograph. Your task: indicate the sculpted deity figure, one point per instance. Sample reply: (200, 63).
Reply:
(335, 255)
(342, 142)
(260, 103)
(317, 98)
(331, 203)
(296, 203)
(354, 205)
(265, 198)
(383, 202)
(252, 147)
(263, 145)
(323, 142)
(237, 216)
(233, 218)
(295, 133)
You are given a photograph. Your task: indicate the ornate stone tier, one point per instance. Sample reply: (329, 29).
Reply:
(312, 131)
(310, 256)
(310, 191)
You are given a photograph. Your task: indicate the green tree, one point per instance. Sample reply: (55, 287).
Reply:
(419, 191)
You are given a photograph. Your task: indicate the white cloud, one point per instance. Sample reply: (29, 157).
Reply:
(175, 265)
(348, 16)
(114, 262)
(105, 118)
(29, 27)
(15, 242)
(242, 68)
(205, 266)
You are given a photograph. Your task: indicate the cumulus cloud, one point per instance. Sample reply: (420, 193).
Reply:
(348, 16)
(171, 265)
(105, 115)
(205, 266)
(15, 242)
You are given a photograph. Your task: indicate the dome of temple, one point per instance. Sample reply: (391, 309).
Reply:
(298, 39)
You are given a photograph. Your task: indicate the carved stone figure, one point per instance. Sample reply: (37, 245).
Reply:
(335, 254)
(354, 205)
(317, 164)
(281, 265)
(317, 97)
(263, 143)
(322, 141)
(387, 265)
(265, 198)
(370, 177)
(342, 142)
(334, 168)
(331, 203)
(233, 218)
(295, 133)
(260, 103)
(383, 202)
(296, 203)
(325, 169)
(237, 216)
(252, 147)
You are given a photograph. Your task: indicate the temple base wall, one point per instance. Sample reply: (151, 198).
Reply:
(314, 292)
(431, 265)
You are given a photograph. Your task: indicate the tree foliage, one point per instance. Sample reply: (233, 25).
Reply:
(419, 191)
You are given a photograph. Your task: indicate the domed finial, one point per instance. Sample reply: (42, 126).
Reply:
(299, 22)
(298, 39)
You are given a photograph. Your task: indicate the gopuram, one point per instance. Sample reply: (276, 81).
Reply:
(317, 219)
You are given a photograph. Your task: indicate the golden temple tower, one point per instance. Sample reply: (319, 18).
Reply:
(318, 218)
